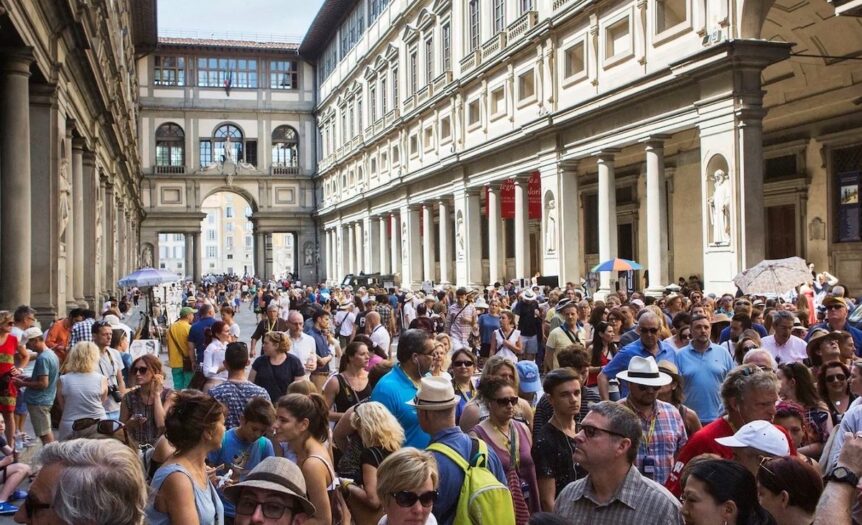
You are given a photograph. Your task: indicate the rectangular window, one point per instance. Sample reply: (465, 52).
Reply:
(499, 16)
(372, 104)
(383, 93)
(429, 60)
(414, 145)
(212, 252)
(395, 86)
(179, 237)
(351, 123)
(524, 6)
(428, 138)
(413, 66)
(224, 72)
(669, 13)
(446, 49)
(574, 60)
(206, 153)
(169, 71)
(283, 74)
(473, 112)
(474, 27)
(228, 212)
(344, 135)
(526, 85)
(617, 38)
(445, 128)
(248, 241)
(211, 234)
(251, 152)
(228, 243)
(498, 102)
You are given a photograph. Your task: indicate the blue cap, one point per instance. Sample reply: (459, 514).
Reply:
(528, 375)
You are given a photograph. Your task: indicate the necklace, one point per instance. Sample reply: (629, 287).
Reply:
(504, 435)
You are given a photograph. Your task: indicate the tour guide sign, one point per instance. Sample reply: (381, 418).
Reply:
(507, 197)
(848, 206)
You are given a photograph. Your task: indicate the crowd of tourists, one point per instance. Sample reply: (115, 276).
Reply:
(449, 405)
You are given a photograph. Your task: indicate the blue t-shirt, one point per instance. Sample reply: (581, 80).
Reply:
(47, 364)
(394, 390)
(703, 374)
(234, 453)
(487, 325)
(198, 337)
(620, 362)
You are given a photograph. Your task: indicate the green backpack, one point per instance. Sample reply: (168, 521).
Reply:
(483, 499)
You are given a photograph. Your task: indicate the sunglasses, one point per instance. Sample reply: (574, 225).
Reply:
(106, 427)
(506, 401)
(465, 364)
(649, 330)
(273, 511)
(405, 498)
(33, 505)
(836, 378)
(835, 307)
(590, 431)
(139, 370)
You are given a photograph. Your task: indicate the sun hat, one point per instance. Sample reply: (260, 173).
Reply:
(528, 377)
(831, 300)
(277, 475)
(31, 333)
(644, 371)
(344, 305)
(761, 435)
(565, 304)
(818, 336)
(528, 295)
(186, 310)
(112, 320)
(435, 393)
(480, 303)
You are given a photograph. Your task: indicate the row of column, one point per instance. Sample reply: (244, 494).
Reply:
(398, 241)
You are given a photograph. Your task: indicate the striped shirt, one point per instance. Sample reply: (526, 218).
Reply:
(638, 501)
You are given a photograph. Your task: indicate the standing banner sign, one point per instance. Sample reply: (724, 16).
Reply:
(848, 206)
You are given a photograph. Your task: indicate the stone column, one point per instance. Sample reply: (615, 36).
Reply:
(340, 267)
(196, 257)
(411, 248)
(259, 254)
(91, 208)
(473, 238)
(120, 245)
(189, 262)
(357, 243)
(656, 216)
(445, 235)
(569, 228)
(496, 265)
(385, 244)
(351, 249)
(15, 182)
(607, 216)
(395, 244)
(370, 242)
(522, 232)
(427, 242)
(79, 219)
(110, 240)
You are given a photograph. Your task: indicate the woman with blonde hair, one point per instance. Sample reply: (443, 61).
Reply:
(381, 435)
(446, 341)
(275, 369)
(477, 409)
(407, 487)
(440, 360)
(81, 389)
(663, 329)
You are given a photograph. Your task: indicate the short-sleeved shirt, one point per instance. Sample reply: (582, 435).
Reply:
(276, 378)
(639, 500)
(662, 438)
(321, 348)
(178, 343)
(381, 339)
(280, 325)
(302, 347)
(394, 390)
(198, 337)
(235, 452)
(793, 351)
(529, 318)
(235, 395)
(109, 364)
(552, 454)
(81, 331)
(373, 456)
(47, 364)
(703, 373)
(621, 360)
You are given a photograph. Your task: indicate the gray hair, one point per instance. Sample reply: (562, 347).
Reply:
(759, 352)
(647, 314)
(783, 315)
(744, 379)
(623, 421)
(102, 482)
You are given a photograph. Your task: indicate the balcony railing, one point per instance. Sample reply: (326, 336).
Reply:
(172, 170)
(285, 170)
(423, 94)
(408, 104)
(470, 61)
(524, 23)
(494, 45)
(442, 81)
(391, 117)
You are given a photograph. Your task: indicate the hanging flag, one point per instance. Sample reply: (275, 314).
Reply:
(228, 81)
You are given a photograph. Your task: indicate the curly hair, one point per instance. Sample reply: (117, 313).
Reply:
(191, 414)
(377, 426)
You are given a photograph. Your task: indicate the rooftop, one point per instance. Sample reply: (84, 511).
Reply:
(331, 13)
(227, 44)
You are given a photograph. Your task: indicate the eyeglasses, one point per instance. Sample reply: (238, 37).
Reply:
(106, 427)
(748, 348)
(465, 364)
(506, 401)
(649, 331)
(685, 336)
(835, 307)
(33, 505)
(406, 499)
(271, 510)
(590, 431)
(836, 378)
(645, 387)
(139, 370)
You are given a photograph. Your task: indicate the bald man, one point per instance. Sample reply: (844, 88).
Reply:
(378, 333)
(301, 344)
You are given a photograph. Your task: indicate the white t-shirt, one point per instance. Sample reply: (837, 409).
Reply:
(380, 337)
(303, 348)
(409, 312)
(506, 352)
(345, 318)
(793, 351)
(234, 330)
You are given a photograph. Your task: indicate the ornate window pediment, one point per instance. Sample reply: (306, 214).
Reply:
(440, 7)
(410, 34)
(426, 20)
(369, 73)
(391, 52)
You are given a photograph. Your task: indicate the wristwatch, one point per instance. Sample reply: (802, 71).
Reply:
(843, 475)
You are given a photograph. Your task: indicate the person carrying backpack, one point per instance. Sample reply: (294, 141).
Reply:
(475, 490)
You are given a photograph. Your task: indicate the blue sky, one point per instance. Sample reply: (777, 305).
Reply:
(241, 19)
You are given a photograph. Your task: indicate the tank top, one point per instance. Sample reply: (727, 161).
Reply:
(209, 506)
(347, 396)
(82, 394)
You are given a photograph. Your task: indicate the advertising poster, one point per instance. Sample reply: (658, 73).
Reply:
(848, 206)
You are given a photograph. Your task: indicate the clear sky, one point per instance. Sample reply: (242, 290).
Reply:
(287, 20)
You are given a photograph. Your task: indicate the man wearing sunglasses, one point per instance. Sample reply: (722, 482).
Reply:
(614, 491)
(836, 319)
(273, 493)
(648, 344)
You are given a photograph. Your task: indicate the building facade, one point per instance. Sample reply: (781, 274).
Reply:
(472, 141)
(70, 210)
(230, 121)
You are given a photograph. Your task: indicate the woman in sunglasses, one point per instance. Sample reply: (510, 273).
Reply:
(833, 385)
(143, 409)
(463, 367)
(81, 389)
(407, 486)
(512, 443)
(797, 384)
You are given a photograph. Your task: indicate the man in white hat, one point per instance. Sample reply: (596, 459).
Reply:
(755, 441)
(435, 404)
(345, 323)
(663, 428)
(529, 323)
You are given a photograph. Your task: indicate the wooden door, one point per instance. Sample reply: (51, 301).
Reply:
(781, 231)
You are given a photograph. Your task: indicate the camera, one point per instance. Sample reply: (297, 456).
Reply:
(114, 392)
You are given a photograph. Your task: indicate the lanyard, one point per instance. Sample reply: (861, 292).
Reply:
(646, 438)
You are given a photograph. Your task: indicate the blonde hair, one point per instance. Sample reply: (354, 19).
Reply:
(377, 426)
(447, 356)
(441, 337)
(302, 386)
(82, 359)
(406, 469)
(494, 363)
(280, 339)
(5, 316)
(663, 330)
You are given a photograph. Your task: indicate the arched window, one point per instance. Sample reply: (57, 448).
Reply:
(241, 150)
(285, 151)
(170, 148)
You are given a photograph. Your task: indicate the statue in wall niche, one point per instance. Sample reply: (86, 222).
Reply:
(147, 256)
(462, 235)
(719, 208)
(64, 202)
(404, 253)
(551, 227)
(308, 254)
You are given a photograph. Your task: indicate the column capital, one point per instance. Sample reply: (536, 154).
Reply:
(494, 185)
(16, 60)
(472, 191)
(443, 200)
(521, 178)
(605, 154)
(655, 140)
(570, 165)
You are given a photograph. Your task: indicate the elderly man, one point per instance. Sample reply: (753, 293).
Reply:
(101, 478)
(378, 333)
(703, 365)
(271, 323)
(783, 345)
(836, 319)
(614, 491)
(302, 345)
(647, 345)
(273, 493)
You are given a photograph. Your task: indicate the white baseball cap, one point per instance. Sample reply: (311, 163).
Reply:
(761, 435)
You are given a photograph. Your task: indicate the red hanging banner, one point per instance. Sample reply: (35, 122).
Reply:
(534, 196)
(507, 197)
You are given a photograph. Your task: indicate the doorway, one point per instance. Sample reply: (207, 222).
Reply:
(781, 231)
